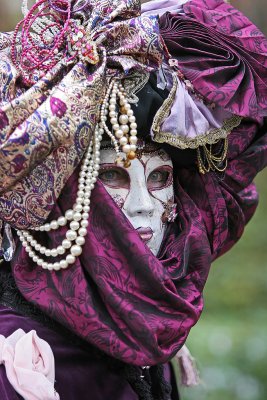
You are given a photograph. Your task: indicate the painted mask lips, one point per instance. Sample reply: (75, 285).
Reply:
(145, 233)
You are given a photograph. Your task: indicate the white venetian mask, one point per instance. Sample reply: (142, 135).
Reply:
(143, 191)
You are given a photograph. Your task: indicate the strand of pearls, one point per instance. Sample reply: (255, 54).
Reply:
(77, 217)
(123, 122)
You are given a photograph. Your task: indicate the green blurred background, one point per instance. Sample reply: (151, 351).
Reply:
(230, 340)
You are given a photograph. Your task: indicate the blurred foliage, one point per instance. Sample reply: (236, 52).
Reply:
(229, 342)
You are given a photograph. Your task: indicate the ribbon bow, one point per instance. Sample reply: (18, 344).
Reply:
(52, 88)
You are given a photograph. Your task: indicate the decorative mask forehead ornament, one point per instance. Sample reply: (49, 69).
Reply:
(143, 191)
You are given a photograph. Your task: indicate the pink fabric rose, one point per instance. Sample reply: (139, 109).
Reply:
(29, 364)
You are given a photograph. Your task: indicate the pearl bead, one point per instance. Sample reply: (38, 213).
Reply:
(78, 208)
(60, 250)
(63, 264)
(133, 139)
(113, 121)
(47, 227)
(79, 194)
(123, 141)
(54, 252)
(86, 208)
(70, 259)
(62, 221)
(123, 119)
(56, 266)
(76, 250)
(133, 147)
(35, 259)
(66, 244)
(69, 215)
(116, 127)
(42, 250)
(71, 235)
(48, 253)
(54, 225)
(74, 225)
(37, 247)
(77, 216)
(125, 128)
(84, 223)
(85, 215)
(133, 125)
(44, 265)
(119, 133)
(132, 118)
(133, 132)
(82, 232)
(112, 114)
(126, 148)
(80, 241)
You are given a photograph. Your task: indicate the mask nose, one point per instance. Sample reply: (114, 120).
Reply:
(139, 201)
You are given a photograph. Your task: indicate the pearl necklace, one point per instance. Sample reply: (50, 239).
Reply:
(124, 128)
(75, 236)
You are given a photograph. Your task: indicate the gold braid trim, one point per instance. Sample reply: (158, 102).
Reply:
(210, 137)
(164, 111)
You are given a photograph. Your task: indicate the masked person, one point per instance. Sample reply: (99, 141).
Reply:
(129, 142)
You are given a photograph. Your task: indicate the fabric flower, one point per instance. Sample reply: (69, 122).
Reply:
(222, 53)
(29, 364)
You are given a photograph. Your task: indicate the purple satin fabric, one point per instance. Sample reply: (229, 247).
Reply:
(222, 53)
(121, 298)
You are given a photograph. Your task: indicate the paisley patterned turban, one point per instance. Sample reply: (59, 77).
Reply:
(210, 61)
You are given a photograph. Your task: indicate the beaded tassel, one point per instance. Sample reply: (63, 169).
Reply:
(122, 120)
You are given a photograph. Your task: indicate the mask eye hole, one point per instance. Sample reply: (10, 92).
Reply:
(114, 177)
(160, 178)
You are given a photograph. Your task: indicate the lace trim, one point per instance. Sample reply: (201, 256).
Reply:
(210, 137)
